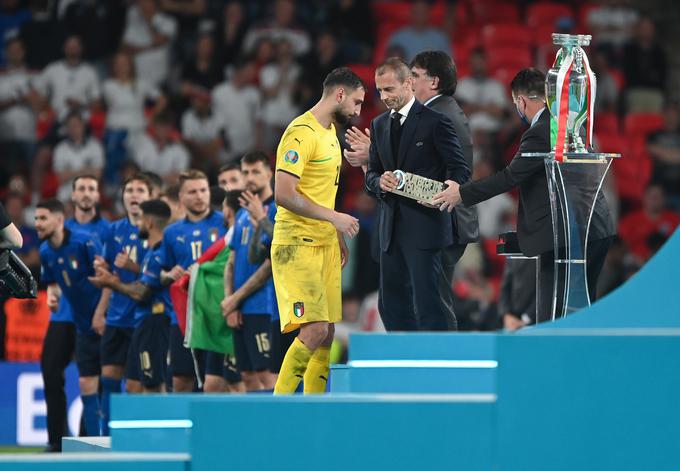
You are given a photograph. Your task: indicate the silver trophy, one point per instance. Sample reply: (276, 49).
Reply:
(417, 187)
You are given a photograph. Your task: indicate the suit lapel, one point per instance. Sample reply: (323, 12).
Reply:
(409, 128)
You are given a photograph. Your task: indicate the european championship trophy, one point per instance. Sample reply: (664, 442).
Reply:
(574, 171)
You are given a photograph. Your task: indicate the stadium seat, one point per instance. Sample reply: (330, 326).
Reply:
(505, 35)
(366, 73)
(642, 123)
(508, 58)
(547, 13)
(494, 12)
(606, 123)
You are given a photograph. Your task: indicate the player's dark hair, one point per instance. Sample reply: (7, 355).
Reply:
(191, 174)
(255, 156)
(231, 199)
(156, 208)
(396, 65)
(53, 205)
(342, 77)
(438, 64)
(530, 82)
(154, 178)
(87, 176)
(217, 195)
(229, 167)
(172, 192)
(138, 177)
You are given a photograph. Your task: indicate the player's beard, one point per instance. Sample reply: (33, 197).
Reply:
(143, 233)
(85, 206)
(46, 235)
(340, 118)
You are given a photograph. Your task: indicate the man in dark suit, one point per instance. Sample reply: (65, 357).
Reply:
(534, 225)
(415, 139)
(434, 83)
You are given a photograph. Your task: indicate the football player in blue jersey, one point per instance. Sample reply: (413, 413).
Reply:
(249, 299)
(67, 260)
(60, 339)
(146, 364)
(123, 254)
(183, 243)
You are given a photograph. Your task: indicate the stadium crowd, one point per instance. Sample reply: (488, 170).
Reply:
(115, 88)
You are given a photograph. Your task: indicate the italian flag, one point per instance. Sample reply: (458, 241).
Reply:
(205, 327)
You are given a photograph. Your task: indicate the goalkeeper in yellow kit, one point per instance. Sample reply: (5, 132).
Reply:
(308, 249)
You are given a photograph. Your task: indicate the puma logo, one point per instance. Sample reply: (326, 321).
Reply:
(297, 140)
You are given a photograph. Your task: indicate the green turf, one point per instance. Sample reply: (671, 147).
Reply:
(21, 449)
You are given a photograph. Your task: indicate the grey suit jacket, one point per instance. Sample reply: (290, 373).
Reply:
(464, 219)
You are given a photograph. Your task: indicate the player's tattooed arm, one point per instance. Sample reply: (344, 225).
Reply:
(229, 274)
(255, 282)
(257, 251)
(105, 279)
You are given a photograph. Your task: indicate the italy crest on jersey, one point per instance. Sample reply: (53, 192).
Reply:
(73, 262)
(214, 234)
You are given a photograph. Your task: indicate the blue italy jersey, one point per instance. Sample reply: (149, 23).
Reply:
(262, 301)
(159, 302)
(123, 237)
(184, 242)
(97, 228)
(69, 266)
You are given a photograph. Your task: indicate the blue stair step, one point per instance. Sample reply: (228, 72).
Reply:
(150, 422)
(436, 363)
(343, 432)
(95, 462)
(85, 444)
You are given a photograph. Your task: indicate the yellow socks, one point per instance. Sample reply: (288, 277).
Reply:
(293, 368)
(316, 375)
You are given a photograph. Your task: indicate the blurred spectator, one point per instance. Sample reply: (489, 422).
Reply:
(202, 133)
(44, 24)
(18, 107)
(281, 26)
(637, 227)
(237, 103)
(78, 154)
(30, 250)
(99, 23)
(645, 69)
(517, 300)
(484, 101)
(148, 36)
(203, 71)
(473, 300)
(263, 55)
(230, 32)
(612, 24)
(420, 35)
(618, 267)
(664, 147)
(352, 23)
(607, 96)
(13, 13)
(229, 177)
(159, 152)
(277, 82)
(188, 14)
(70, 84)
(315, 67)
(125, 95)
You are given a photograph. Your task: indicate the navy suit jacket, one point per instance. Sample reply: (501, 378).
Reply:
(428, 147)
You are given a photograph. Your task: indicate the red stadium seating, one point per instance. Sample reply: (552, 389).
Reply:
(546, 13)
(642, 123)
(606, 123)
(505, 35)
(508, 58)
(366, 73)
(494, 12)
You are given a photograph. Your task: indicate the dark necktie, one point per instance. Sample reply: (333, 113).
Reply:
(395, 134)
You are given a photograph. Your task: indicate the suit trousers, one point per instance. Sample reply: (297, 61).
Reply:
(450, 256)
(596, 255)
(410, 288)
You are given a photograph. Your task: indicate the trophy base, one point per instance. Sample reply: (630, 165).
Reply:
(574, 157)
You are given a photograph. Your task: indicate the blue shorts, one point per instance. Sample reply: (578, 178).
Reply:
(252, 343)
(88, 354)
(148, 355)
(217, 364)
(115, 345)
(181, 361)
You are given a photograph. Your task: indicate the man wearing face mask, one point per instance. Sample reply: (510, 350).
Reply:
(534, 221)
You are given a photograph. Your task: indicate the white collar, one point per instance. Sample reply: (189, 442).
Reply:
(536, 116)
(431, 99)
(404, 109)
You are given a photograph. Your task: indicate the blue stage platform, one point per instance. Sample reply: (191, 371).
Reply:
(595, 391)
